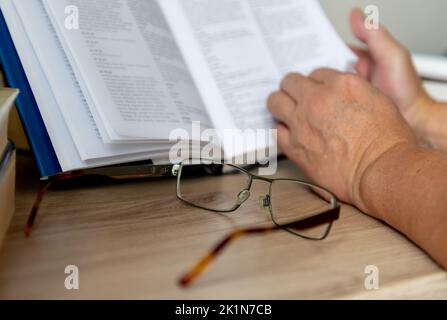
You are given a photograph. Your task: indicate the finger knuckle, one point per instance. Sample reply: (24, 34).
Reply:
(318, 71)
(315, 72)
(347, 81)
(290, 78)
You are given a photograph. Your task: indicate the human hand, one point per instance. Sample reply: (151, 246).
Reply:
(389, 67)
(335, 126)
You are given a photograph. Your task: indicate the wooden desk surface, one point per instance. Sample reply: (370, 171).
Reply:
(133, 240)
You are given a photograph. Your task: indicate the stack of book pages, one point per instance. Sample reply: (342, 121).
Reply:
(7, 162)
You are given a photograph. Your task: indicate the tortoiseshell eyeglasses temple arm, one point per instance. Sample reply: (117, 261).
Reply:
(137, 171)
(41, 193)
(323, 218)
(206, 261)
(35, 208)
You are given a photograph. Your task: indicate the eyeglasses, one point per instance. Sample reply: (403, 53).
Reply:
(300, 208)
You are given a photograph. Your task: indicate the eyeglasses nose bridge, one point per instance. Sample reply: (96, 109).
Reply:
(243, 196)
(264, 202)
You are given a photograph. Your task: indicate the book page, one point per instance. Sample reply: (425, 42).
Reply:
(238, 50)
(160, 40)
(120, 72)
(66, 89)
(299, 36)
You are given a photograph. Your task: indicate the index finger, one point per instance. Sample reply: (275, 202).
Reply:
(295, 85)
(323, 75)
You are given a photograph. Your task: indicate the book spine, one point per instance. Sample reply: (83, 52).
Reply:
(39, 141)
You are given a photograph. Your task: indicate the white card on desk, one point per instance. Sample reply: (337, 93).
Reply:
(437, 90)
(431, 67)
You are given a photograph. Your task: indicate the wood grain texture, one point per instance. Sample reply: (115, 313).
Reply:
(7, 193)
(133, 240)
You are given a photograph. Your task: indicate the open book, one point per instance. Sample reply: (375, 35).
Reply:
(114, 89)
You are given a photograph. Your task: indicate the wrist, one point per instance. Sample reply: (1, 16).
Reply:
(405, 189)
(379, 177)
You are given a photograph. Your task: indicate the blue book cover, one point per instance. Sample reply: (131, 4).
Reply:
(27, 108)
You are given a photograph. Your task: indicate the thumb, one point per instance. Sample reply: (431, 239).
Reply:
(382, 46)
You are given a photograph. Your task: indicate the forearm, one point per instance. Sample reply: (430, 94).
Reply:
(407, 188)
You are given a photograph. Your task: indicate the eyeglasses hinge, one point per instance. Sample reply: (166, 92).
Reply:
(175, 170)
